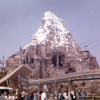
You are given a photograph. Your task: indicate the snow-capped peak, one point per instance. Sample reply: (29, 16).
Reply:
(51, 29)
(50, 15)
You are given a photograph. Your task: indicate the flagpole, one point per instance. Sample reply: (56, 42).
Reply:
(28, 60)
(19, 57)
(25, 59)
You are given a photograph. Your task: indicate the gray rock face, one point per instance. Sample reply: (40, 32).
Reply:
(53, 51)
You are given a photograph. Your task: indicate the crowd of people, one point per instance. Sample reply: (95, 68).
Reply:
(21, 95)
(41, 95)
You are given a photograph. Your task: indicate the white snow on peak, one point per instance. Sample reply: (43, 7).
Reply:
(52, 29)
(50, 15)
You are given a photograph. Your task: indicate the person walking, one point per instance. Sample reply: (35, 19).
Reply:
(39, 95)
(43, 95)
(19, 95)
(51, 96)
(31, 96)
(61, 97)
(35, 96)
(73, 95)
(26, 97)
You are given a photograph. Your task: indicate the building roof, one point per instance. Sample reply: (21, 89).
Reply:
(2, 87)
(22, 70)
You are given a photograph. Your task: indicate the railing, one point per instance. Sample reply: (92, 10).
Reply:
(88, 98)
(71, 76)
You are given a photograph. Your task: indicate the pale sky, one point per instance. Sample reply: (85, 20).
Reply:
(20, 19)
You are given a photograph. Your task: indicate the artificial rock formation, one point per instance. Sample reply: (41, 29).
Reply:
(52, 51)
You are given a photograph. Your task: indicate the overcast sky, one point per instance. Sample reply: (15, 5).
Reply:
(20, 19)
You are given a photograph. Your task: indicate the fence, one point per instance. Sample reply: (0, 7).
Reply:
(89, 98)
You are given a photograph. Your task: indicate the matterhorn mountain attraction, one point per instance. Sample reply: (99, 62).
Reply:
(52, 52)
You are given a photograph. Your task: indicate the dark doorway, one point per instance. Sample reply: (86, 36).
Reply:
(61, 61)
(54, 60)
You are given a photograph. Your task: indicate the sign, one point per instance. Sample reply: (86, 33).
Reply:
(23, 79)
